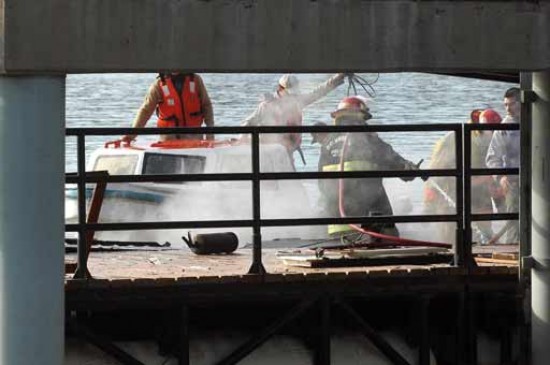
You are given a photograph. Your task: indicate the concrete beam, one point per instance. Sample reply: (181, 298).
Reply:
(73, 36)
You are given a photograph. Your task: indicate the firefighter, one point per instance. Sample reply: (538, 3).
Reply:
(358, 152)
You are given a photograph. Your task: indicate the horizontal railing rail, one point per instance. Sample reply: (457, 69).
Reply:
(280, 222)
(264, 176)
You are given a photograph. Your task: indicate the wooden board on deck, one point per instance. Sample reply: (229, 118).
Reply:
(364, 257)
(498, 254)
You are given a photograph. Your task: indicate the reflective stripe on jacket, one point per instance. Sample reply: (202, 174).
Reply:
(179, 110)
(348, 166)
(352, 166)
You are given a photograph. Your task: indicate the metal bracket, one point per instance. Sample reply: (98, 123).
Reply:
(527, 262)
(530, 262)
(528, 96)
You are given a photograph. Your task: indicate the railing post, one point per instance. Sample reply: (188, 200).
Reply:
(459, 244)
(467, 195)
(525, 126)
(82, 260)
(525, 209)
(257, 265)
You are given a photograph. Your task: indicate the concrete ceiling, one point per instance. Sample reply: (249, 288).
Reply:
(93, 36)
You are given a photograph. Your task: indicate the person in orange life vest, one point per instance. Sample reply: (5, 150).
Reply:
(285, 108)
(180, 100)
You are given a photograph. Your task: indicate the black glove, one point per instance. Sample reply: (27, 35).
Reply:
(410, 166)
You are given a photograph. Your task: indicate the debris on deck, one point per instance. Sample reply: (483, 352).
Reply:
(365, 257)
(498, 254)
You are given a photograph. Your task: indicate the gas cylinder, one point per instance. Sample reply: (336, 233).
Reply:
(212, 243)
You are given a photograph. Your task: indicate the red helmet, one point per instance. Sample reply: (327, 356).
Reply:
(474, 115)
(352, 104)
(489, 116)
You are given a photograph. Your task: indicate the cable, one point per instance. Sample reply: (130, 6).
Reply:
(366, 85)
(392, 239)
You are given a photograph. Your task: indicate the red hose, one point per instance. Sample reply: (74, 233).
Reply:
(392, 239)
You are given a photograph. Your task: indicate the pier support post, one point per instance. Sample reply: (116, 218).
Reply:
(540, 225)
(32, 122)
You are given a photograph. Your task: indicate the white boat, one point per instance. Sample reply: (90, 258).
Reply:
(213, 200)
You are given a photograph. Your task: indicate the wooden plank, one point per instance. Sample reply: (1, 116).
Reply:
(440, 270)
(496, 261)
(73, 284)
(480, 270)
(506, 256)
(121, 283)
(99, 283)
(70, 267)
(397, 271)
(145, 283)
(314, 262)
(317, 276)
(498, 270)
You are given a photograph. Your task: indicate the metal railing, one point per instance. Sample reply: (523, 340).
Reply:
(462, 172)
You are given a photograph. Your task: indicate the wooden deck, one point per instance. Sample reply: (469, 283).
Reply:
(131, 275)
(182, 264)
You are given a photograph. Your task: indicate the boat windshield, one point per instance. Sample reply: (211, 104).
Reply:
(117, 164)
(160, 163)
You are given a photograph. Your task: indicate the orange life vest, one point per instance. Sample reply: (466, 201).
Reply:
(179, 110)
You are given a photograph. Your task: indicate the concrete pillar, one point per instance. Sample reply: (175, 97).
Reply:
(540, 274)
(32, 122)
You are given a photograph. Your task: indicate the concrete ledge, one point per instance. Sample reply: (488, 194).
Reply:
(73, 36)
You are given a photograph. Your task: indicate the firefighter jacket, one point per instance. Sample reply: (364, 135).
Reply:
(361, 196)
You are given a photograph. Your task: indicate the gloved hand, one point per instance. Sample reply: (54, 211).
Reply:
(504, 184)
(495, 190)
(409, 166)
(128, 138)
(339, 79)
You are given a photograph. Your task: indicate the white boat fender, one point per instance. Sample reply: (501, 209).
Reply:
(212, 243)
